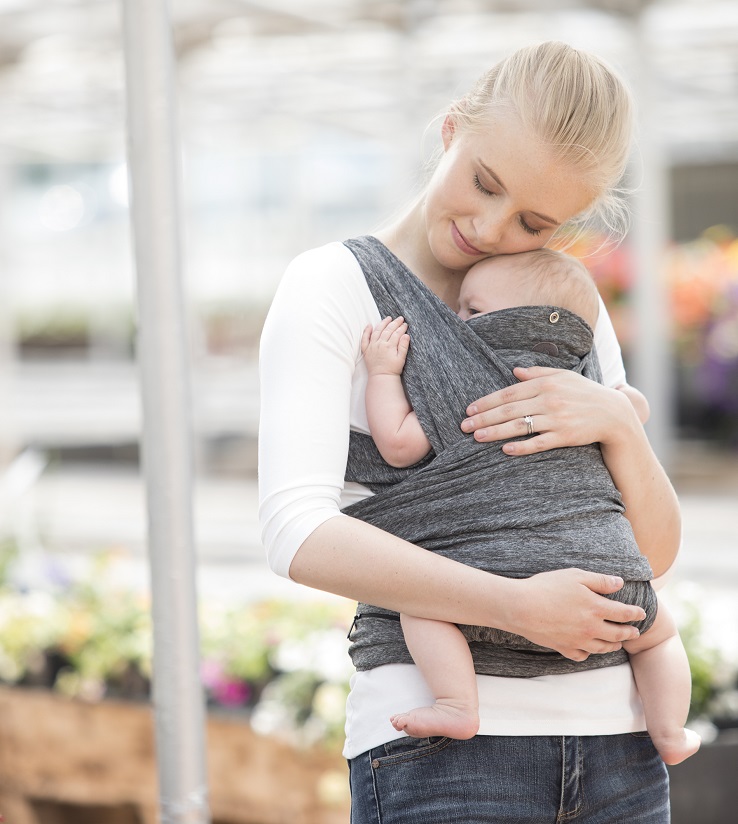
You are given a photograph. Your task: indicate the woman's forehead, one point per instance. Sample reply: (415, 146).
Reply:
(530, 172)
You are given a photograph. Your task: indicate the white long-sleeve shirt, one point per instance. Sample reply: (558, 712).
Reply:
(313, 382)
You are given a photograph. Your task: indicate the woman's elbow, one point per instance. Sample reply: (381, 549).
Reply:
(665, 556)
(306, 558)
(278, 562)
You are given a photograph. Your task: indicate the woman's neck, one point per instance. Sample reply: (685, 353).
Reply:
(407, 239)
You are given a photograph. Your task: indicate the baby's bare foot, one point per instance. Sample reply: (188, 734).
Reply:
(452, 721)
(674, 749)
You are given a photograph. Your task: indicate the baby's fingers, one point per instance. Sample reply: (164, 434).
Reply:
(396, 334)
(366, 337)
(403, 345)
(381, 326)
(391, 328)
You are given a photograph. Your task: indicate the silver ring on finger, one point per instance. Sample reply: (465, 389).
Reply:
(528, 420)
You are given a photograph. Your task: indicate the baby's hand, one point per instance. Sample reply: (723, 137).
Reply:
(385, 346)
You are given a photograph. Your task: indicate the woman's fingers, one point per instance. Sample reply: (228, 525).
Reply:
(564, 610)
(514, 420)
(501, 414)
(514, 426)
(526, 388)
(566, 409)
(496, 406)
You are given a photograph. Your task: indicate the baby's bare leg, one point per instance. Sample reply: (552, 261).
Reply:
(442, 654)
(661, 671)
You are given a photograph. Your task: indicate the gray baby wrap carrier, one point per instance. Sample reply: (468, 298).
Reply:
(511, 516)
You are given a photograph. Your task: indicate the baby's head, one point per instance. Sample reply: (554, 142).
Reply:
(540, 277)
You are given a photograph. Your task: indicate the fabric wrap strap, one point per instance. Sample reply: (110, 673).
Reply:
(471, 502)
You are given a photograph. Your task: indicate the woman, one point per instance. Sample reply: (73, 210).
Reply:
(541, 140)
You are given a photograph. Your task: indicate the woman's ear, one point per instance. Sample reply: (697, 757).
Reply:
(447, 131)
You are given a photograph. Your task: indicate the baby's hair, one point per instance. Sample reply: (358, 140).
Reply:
(573, 102)
(552, 277)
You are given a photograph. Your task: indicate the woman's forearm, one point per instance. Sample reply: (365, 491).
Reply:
(650, 501)
(359, 561)
(559, 610)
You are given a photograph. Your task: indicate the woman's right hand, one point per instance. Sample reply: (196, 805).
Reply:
(564, 610)
(561, 610)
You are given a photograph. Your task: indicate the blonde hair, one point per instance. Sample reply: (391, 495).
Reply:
(573, 102)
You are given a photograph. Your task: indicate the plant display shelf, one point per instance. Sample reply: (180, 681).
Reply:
(55, 750)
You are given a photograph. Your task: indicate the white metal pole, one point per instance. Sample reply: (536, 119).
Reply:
(9, 441)
(652, 371)
(154, 165)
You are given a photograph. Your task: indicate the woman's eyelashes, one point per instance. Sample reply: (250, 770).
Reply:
(482, 188)
(529, 229)
(485, 191)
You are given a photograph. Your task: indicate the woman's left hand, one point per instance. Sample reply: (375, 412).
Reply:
(566, 409)
(570, 410)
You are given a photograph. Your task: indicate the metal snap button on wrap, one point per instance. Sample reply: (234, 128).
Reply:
(554, 317)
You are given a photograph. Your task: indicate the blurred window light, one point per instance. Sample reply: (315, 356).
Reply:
(62, 208)
(118, 185)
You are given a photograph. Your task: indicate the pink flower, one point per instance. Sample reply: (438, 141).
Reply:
(225, 689)
(231, 692)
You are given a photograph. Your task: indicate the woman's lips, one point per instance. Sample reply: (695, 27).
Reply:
(462, 242)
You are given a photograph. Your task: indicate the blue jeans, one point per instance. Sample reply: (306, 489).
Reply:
(607, 779)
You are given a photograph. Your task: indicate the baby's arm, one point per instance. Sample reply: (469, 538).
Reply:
(394, 426)
(637, 399)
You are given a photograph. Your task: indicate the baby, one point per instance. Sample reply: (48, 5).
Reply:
(440, 650)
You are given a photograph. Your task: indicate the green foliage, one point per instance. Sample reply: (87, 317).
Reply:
(283, 663)
(714, 675)
(711, 674)
(8, 556)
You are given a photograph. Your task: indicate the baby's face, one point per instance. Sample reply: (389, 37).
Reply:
(488, 287)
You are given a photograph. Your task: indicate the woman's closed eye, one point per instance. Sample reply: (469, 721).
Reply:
(526, 227)
(482, 188)
(529, 229)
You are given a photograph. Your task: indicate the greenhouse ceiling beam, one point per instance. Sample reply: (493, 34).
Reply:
(154, 164)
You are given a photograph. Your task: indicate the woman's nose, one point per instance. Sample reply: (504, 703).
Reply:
(489, 228)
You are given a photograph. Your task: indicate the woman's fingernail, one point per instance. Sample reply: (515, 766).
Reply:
(472, 410)
(480, 433)
(467, 425)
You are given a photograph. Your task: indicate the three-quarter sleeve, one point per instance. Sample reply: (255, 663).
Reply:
(608, 350)
(310, 348)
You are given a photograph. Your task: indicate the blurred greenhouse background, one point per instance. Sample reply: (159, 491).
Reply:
(304, 121)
